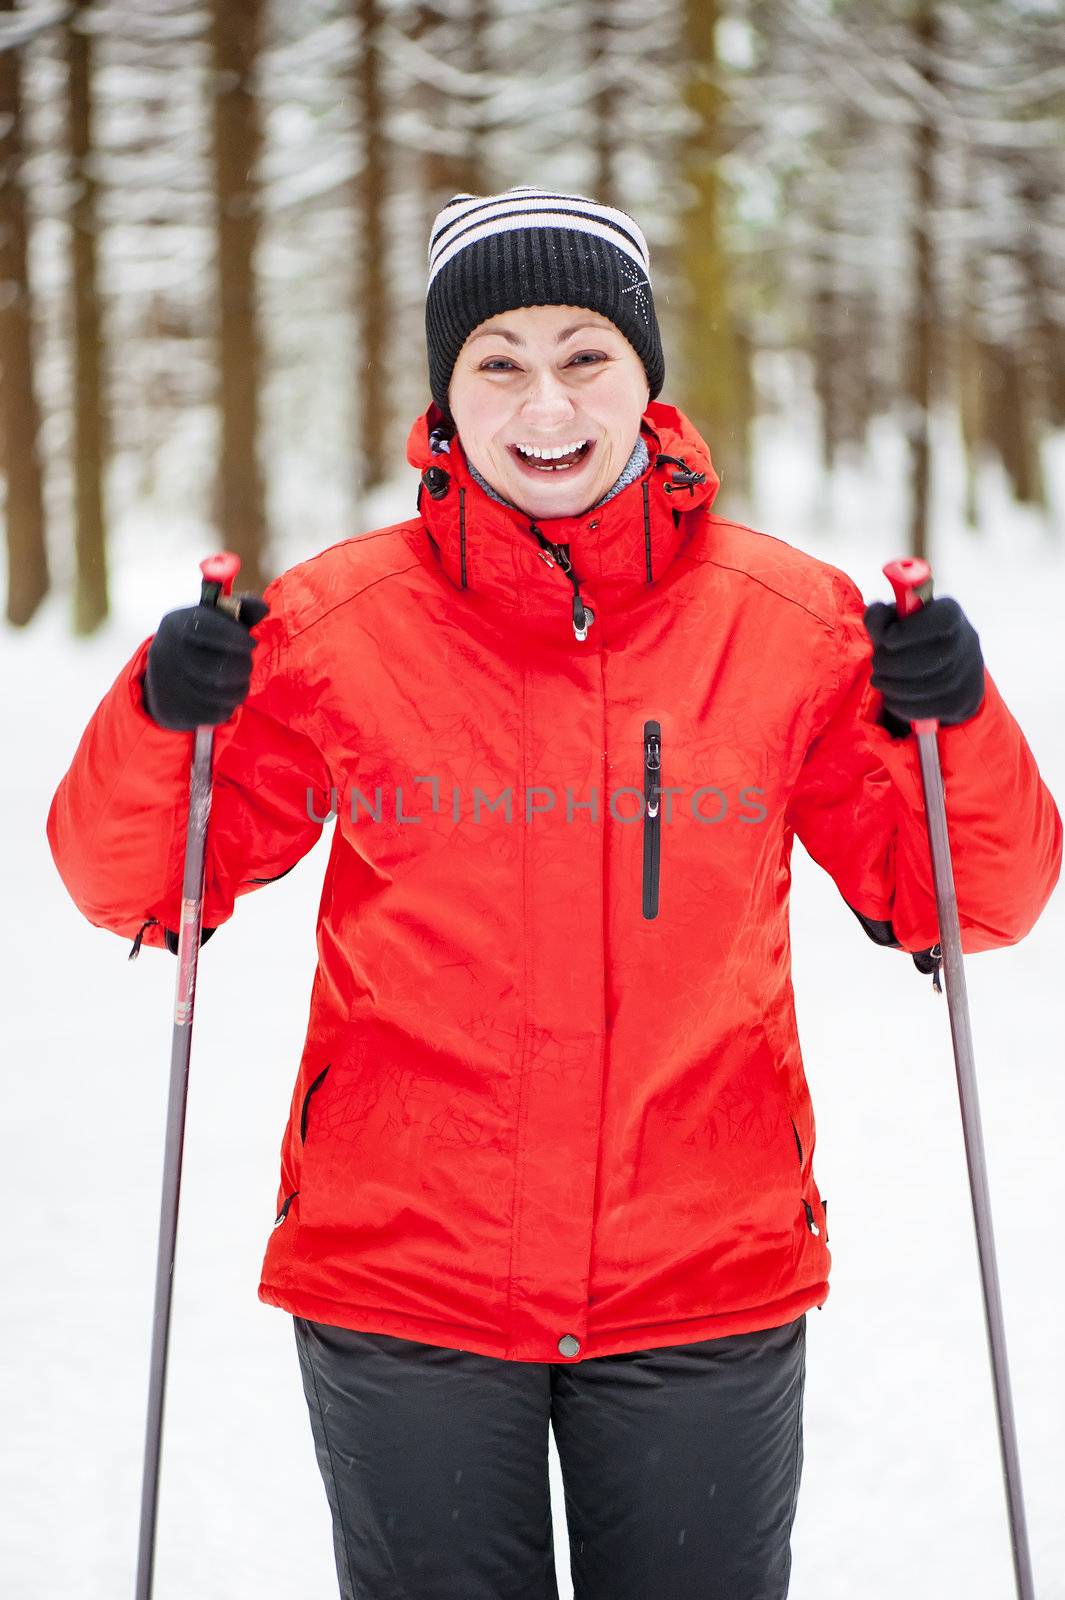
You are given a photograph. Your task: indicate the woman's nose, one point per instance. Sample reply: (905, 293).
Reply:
(547, 400)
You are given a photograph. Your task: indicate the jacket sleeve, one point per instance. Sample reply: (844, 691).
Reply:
(118, 819)
(858, 807)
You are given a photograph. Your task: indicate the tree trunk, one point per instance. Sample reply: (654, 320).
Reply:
(441, 168)
(923, 313)
(968, 362)
(1056, 375)
(824, 316)
(602, 104)
(971, 396)
(27, 559)
(1036, 350)
(1012, 428)
(373, 412)
(235, 35)
(466, 173)
(90, 585)
(715, 388)
(478, 156)
(444, 171)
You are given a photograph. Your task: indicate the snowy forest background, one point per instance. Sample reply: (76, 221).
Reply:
(213, 224)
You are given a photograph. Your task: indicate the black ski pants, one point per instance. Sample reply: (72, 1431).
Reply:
(680, 1466)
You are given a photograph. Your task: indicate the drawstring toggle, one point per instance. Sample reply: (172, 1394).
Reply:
(583, 616)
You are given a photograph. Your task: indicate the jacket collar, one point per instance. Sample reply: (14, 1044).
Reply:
(615, 550)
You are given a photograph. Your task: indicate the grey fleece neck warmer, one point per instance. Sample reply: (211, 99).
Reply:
(633, 468)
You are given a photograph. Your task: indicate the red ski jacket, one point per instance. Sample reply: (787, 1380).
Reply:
(551, 1104)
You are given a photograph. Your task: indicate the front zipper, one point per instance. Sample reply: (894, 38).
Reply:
(652, 816)
(558, 555)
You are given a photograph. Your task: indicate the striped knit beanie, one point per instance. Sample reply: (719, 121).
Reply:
(535, 247)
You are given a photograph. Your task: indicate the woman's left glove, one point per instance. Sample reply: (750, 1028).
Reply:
(928, 664)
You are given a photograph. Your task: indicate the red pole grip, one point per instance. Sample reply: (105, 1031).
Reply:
(219, 574)
(911, 579)
(221, 570)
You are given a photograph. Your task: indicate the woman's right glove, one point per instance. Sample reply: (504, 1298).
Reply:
(199, 664)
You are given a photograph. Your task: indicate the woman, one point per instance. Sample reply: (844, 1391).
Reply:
(549, 1152)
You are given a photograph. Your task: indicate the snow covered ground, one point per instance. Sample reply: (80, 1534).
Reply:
(901, 1492)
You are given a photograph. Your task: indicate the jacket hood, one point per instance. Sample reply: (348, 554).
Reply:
(615, 549)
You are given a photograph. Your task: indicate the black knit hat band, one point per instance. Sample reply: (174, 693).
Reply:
(529, 247)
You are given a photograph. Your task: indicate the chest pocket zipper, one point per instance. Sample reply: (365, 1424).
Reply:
(652, 816)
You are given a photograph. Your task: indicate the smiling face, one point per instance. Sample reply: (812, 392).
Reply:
(548, 378)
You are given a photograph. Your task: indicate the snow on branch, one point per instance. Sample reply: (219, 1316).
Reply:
(19, 27)
(328, 46)
(1003, 134)
(326, 179)
(421, 66)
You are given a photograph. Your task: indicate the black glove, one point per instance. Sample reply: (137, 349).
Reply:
(928, 664)
(199, 664)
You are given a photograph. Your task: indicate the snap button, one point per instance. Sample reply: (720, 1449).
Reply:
(568, 1345)
(436, 481)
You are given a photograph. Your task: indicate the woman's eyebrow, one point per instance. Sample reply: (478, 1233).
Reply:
(514, 338)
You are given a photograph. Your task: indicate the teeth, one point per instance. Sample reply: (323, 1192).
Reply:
(552, 454)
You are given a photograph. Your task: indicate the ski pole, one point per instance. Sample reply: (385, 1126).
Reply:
(911, 580)
(216, 589)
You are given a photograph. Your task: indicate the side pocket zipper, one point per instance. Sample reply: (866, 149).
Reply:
(811, 1220)
(652, 816)
(307, 1102)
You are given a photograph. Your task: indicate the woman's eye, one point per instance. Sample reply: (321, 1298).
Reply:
(504, 364)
